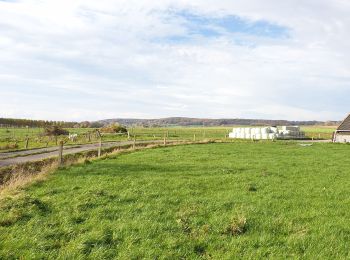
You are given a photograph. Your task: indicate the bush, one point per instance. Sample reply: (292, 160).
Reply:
(55, 131)
(114, 128)
(9, 146)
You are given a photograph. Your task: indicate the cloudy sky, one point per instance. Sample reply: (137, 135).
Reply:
(88, 59)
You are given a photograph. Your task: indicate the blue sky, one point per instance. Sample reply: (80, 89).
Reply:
(200, 26)
(74, 60)
(216, 26)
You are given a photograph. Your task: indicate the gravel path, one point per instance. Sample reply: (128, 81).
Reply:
(11, 158)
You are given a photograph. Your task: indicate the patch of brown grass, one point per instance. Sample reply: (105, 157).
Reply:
(238, 226)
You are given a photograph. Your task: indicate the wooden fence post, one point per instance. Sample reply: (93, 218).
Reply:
(60, 154)
(128, 135)
(194, 137)
(27, 141)
(134, 143)
(99, 148)
(164, 142)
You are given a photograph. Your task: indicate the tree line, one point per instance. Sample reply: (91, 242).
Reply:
(13, 122)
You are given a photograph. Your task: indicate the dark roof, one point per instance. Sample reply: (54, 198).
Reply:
(345, 125)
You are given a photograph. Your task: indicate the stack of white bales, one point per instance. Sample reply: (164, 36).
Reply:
(241, 133)
(291, 131)
(266, 132)
(254, 133)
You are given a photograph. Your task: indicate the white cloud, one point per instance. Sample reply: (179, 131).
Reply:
(78, 60)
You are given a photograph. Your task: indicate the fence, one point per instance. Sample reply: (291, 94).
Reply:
(22, 138)
(29, 138)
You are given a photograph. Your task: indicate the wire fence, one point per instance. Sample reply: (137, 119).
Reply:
(30, 138)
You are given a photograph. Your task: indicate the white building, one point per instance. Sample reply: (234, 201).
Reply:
(342, 134)
(266, 133)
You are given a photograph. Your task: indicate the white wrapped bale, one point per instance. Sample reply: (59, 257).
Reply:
(274, 129)
(272, 136)
(264, 136)
(256, 131)
(264, 130)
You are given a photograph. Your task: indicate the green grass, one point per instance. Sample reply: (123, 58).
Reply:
(219, 201)
(319, 132)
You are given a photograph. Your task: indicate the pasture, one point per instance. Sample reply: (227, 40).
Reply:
(212, 201)
(15, 138)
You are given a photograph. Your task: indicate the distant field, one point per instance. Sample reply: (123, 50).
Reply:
(18, 136)
(11, 136)
(319, 132)
(319, 129)
(216, 201)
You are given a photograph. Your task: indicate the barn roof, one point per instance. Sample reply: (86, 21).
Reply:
(345, 125)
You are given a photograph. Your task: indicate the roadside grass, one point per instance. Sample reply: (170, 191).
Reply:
(218, 201)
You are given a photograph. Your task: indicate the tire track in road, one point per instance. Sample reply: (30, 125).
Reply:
(12, 158)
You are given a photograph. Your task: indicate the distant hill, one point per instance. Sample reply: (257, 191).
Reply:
(186, 121)
(162, 122)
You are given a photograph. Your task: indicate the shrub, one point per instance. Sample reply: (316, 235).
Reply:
(9, 146)
(55, 131)
(114, 128)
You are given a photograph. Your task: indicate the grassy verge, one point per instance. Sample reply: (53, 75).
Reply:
(20, 174)
(218, 201)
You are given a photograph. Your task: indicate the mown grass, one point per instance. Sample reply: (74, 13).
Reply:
(219, 201)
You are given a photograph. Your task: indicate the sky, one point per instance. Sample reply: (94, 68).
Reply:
(78, 60)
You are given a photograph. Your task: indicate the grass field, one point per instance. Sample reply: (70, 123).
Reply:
(319, 132)
(214, 201)
(11, 136)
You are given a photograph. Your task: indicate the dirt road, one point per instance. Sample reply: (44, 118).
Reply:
(11, 158)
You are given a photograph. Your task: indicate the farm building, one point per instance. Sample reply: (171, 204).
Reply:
(342, 134)
(256, 133)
